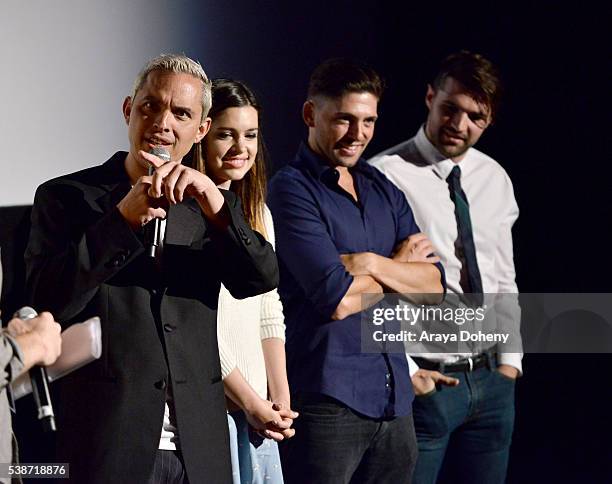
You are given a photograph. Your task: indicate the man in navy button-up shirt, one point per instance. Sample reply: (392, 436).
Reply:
(343, 230)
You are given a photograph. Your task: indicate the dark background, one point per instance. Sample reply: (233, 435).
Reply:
(551, 136)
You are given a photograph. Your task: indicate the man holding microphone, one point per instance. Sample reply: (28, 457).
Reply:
(151, 409)
(23, 344)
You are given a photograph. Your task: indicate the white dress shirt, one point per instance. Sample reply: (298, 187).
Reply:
(420, 171)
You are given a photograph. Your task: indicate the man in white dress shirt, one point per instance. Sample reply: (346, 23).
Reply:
(464, 202)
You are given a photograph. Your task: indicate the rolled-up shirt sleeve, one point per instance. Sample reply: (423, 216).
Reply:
(407, 225)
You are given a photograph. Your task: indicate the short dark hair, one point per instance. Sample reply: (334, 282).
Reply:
(335, 77)
(476, 74)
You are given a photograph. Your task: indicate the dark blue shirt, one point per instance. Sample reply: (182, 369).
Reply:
(315, 222)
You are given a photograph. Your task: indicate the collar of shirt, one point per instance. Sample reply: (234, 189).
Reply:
(319, 167)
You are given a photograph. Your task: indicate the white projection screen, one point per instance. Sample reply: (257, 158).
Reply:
(66, 67)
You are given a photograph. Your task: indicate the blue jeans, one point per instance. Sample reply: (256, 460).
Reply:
(335, 445)
(464, 432)
(234, 456)
(255, 460)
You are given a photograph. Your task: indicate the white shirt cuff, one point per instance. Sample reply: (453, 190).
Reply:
(412, 366)
(512, 359)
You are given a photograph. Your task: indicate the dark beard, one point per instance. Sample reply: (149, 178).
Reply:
(458, 151)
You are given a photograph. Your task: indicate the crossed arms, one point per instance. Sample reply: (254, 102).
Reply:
(409, 271)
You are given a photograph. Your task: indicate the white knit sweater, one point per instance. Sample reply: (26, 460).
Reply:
(243, 323)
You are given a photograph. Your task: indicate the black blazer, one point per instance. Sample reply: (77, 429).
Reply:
(158, 323)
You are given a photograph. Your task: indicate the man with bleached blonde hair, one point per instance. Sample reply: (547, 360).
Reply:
(179, 64)
(152, 408)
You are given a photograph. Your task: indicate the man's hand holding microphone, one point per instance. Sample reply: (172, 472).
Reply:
(170, 182)
(38, 336)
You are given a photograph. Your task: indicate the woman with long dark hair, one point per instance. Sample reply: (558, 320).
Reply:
(251, 332)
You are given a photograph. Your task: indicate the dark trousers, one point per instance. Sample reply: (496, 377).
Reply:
(168, 468)
(335, 445)
(464, 432)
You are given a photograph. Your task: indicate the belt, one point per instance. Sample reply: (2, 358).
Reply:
(466, 364)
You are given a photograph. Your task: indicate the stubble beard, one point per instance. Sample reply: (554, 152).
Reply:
(450, 151)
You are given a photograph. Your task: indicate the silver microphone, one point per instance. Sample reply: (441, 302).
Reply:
(152, 230)
(40, 382)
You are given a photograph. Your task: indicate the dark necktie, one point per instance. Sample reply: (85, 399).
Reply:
(471, 281)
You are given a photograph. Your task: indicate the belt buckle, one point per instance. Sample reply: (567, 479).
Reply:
(471, 362)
